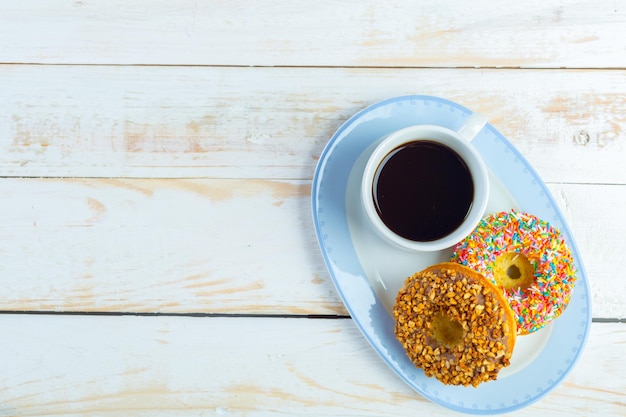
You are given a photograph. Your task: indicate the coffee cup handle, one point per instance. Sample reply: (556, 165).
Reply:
(472, 126)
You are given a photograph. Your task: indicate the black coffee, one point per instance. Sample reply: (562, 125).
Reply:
(423, 190)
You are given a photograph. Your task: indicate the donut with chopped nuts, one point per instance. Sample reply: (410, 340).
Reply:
(454, 324)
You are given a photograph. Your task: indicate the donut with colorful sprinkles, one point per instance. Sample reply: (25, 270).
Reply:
(528, 259)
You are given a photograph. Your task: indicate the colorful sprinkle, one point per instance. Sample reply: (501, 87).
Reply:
(544, 247)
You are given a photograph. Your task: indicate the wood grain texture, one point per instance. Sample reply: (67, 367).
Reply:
(450, 33)
(177, 366)
(215, 246)
(240, 246)
(274, 122)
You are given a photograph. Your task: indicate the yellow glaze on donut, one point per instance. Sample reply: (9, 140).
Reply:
(513, 271)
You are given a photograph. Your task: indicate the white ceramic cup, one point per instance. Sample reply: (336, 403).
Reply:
(460, 142)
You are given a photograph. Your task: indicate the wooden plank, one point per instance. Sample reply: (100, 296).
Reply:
(215, 246)
(178, 366)
(274, 122)
(450, 33)
(241, 246)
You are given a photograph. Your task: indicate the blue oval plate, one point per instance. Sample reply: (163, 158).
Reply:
(367, 272)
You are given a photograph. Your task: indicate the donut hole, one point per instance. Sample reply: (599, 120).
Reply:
(446, 331)
(513, 271)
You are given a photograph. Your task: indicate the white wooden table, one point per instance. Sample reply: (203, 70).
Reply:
(157, 251)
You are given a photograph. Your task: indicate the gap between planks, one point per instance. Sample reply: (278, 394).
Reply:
(159, 314)
(220, 315)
